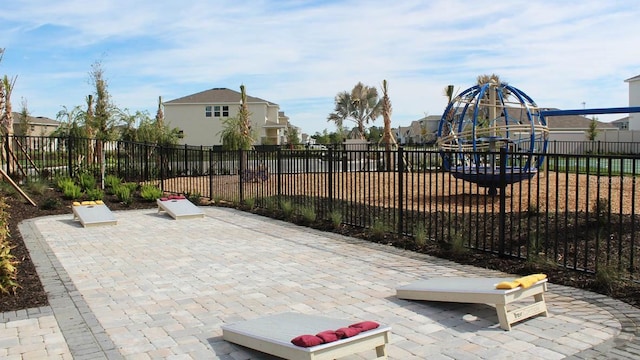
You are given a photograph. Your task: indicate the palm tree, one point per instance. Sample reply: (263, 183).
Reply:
(237, 133)
(489, 112)
(388, 139)
(360, 106)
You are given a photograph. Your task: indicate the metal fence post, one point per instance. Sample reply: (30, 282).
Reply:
(503, 202)
(70, 144)
(400, 190)
(330, 179)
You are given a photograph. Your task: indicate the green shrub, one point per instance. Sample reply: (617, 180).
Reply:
(250, 202)
(8, 262)
(64, 181)
(86, 181)
(420, 234)
(123, 194)
(94, 194)
(287, 208)
(378, 229)
(194, 197)
(308, 214)
(336, 218)
(271, 204)
(37, 186)
(131, 186)
(50, 204)
(110, 182)
(72, 191)
(150, 192)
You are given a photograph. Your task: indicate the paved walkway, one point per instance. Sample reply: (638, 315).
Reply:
(152, 287)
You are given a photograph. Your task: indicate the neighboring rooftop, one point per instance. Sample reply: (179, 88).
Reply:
(217, 96)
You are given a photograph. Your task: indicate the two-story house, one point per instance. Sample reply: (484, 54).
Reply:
(634, 100)
(200, 117)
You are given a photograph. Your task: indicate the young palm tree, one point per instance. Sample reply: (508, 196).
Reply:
(360, 106)
(6, 114)
(388, 139)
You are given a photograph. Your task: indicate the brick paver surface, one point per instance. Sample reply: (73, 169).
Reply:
(152, 287)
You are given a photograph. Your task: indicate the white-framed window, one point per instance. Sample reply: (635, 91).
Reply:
(207, 111)
(221, 111)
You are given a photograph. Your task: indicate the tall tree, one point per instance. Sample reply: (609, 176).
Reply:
(489, 112)
(361, 106)
(6, 112)
(102, 121)
(388, 139)
(25, 123)
(237, 133)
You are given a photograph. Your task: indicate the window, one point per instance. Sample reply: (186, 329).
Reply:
(216, 111)
(221, 111)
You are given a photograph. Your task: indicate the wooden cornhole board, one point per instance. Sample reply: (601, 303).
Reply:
(179, 208)
(93, 215)
(272, 335)
(480, 291)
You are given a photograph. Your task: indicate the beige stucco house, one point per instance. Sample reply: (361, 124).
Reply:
(634, 100)
(35, 126)
(200, 117)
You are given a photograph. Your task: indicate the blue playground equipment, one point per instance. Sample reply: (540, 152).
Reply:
(495, 134)
(492, 134)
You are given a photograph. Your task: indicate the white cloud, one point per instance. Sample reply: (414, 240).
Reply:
(301, 54)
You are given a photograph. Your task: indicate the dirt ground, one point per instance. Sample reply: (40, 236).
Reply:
(433, 191)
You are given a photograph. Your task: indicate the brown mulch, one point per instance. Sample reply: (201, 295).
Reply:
(31, 294)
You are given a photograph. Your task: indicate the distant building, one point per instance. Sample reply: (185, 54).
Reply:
(35, 126)
(634, 100)
(200, 117)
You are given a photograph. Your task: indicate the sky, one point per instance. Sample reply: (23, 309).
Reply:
(301, 54)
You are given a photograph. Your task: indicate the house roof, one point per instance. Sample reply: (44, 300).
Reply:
(635, 78)
(216, 96)
(573, 122)
(35, 120)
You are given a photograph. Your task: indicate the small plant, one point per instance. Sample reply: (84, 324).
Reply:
(194, 197)
(131, 186)
(336, 218)
(72, 191)
(601, 207)
(533, 209)
(94, 194)
(64, 181)
(50, 204)
(123, 194)
(37, 186)
(308, 214)
(250, 202)
(111, 181)
(86, 181)
(8, 262)
(378, 229)
(271, 204)
(420, 234)
(150, 192)
(456, 242)
(606, 278)
(287, 208)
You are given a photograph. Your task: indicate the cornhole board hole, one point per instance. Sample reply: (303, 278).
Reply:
(480, 291)
(93, 215)
(273, 334)
(179, 208)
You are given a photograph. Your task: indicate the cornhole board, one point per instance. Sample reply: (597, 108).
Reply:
(93, 215)
(480, 291)
(272, 335)
(179, 208)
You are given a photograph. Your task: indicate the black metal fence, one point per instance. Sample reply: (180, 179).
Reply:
(580, 211)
